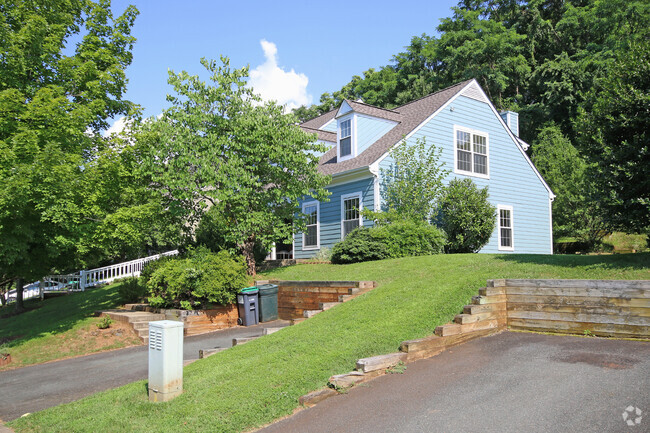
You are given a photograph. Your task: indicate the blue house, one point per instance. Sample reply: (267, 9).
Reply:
(476, 141)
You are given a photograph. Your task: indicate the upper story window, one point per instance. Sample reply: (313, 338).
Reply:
(351, 213)
(345, 140)
(471, 152)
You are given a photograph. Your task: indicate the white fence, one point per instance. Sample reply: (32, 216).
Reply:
(87, 278)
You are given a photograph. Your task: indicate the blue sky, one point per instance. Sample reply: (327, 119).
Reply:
(296, 49)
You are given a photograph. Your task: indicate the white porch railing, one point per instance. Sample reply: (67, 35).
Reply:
(86, 278)
(120, 270)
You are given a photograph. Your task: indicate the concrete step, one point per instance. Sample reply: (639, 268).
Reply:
(133, 316)
(311, 313)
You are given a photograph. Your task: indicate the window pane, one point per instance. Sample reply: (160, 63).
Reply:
(480, 144)
(464, 161)
(346, 146)
(462, 140)
(351, 209)
(311, 236)
(505, 218)
(506, 237)
(348, 226)
(480, 164)
(346, 128)
(310, 211)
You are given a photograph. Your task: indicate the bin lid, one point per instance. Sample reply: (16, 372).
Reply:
(268, 288)
(249, 290)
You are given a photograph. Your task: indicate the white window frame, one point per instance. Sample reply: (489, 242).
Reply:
(353, 138)
(345, 197)
(501, 207)
(472, 132)
(304, 234)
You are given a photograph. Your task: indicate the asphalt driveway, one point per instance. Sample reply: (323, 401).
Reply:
(38, 387)
(510, 382)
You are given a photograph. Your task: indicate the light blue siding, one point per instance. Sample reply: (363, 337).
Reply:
(330, 126)
(369, 130)
(513, 122)
(330, 214)
(512, 180)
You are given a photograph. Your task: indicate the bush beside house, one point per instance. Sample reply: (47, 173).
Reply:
(396, 239)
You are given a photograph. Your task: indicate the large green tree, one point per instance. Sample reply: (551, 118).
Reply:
(614, 130)
(219, 146)
(54, 101)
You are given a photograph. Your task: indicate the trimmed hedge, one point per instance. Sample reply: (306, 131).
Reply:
(397, 239)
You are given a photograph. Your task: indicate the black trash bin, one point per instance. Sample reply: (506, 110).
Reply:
(247, 306)
(268, 302)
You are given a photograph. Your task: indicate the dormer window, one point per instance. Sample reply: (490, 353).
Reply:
(345, 141)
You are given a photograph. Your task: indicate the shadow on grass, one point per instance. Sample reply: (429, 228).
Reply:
(55, 315)
(612, 261)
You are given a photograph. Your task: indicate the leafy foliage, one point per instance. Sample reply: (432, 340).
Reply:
(412, 184)
(131, 290)
(223, 148)
(614, 135)
(575, 213)
(51, 96)
(400, 238)
(467, 217)
(197, 280)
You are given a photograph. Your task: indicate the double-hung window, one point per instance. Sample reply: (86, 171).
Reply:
(311, 236)
(350, 213)
(506, 224)
(345, 140)
(471, 152)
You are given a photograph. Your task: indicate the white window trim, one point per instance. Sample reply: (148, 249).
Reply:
(344, 197)
(487, 151)
(317, 246)
(512, 227)
(353, 138)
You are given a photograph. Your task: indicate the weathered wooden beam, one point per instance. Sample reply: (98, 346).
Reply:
(484, 308)
(581, 284)
(600, 329)
(317, 396)
(381, 362)
(581, 317)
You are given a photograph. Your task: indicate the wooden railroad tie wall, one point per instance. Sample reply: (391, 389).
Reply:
(295, 297)
(608, 308)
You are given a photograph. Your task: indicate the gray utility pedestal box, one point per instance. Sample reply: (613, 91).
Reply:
(165, 360)
(247, 306)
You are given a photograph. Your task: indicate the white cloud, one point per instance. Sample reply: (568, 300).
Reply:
(273, 83)
(116, 128)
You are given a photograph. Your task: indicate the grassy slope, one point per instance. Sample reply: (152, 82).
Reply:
(52, 328)
(250, 385)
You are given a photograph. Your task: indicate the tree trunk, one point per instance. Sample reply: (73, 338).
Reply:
(4, 291)
(20, 306)
(249, 256)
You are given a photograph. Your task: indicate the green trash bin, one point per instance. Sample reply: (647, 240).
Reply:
(268, 302)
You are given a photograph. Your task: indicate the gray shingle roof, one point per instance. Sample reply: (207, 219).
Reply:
(322, 135)
(371, 110)
(410, 116)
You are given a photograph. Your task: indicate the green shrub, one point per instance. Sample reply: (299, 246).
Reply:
(392, 240)
(132, 290)
(466, 216)
(361, 245)
(105, 323)
(150, 267)
(199, 279)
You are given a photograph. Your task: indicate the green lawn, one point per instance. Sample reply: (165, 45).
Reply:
(251, 385)
(59, 327)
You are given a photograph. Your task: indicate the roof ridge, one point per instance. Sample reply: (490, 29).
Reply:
(462, 83)
(373, 106)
